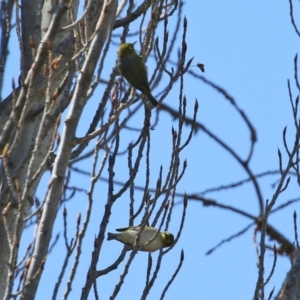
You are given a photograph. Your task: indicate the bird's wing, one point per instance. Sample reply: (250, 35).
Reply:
(147, 229)
(135, 228)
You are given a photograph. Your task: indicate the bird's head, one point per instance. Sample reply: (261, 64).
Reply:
(126, 49)
(168, 239)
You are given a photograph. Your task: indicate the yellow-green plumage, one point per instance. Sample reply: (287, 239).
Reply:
(133, 69)
(127, 236)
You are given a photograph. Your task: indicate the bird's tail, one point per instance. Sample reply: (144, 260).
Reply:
(112, 236)
(150, 97)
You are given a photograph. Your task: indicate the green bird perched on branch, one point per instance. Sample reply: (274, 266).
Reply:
(128, 235)
(133, 69)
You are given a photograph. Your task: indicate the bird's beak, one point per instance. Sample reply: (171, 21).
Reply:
(134, 43)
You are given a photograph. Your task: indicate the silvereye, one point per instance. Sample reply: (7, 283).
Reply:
(133, 69)
(127, 236)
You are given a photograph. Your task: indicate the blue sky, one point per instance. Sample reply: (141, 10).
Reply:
(248, 48)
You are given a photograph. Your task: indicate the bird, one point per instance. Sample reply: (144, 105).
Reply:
(133, 69)
(127, 236)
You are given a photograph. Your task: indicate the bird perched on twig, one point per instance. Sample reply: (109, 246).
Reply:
(128, 235)
(133, 69)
